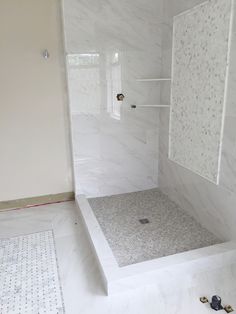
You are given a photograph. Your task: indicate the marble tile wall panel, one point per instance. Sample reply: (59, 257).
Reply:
(212, 205)
(109, 45)
(199, 79)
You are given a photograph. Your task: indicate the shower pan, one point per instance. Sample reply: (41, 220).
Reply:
(151, 170)
(171, 248)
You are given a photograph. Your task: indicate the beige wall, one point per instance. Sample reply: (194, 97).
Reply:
(34, 129)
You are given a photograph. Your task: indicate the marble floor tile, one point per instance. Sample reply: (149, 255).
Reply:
(29, 278)
(80, 276)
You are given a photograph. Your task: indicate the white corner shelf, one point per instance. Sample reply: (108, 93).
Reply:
(152, 79)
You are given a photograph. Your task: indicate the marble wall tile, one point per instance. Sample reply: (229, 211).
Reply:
(107, 25)
(113, 157)
(213, 206)
(109, 45)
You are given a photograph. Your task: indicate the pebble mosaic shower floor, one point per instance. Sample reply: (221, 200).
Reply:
(29, 280)
(144, 225)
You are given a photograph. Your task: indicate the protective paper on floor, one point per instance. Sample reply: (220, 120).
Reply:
(201, 40)
(29, 280)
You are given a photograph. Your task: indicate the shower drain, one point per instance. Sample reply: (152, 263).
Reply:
(144, 221)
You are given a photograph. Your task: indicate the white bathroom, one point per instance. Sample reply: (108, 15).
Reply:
(118, 164)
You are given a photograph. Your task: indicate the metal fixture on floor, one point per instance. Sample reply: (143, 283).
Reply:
(228, 309)
(204, 300)
(216, 303)
(144, 221)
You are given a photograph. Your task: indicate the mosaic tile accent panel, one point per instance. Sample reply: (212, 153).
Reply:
(201, 39)
(29, 280)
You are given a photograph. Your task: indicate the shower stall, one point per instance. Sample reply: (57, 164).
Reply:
(154, 170)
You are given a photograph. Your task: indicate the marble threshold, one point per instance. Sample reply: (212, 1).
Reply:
(169, 270)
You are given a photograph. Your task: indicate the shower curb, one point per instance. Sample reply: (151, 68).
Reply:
(167, 272)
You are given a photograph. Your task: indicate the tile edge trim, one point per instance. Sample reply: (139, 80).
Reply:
(36, 201)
